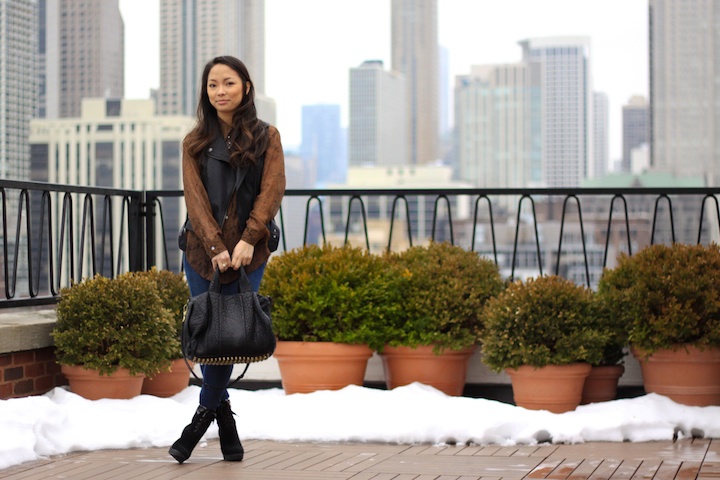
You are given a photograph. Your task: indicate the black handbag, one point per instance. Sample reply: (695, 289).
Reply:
(274, 240)
(228, 329)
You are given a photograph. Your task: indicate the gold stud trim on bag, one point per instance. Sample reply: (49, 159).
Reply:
(228, 360)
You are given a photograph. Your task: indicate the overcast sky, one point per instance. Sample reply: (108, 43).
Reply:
(312, 44)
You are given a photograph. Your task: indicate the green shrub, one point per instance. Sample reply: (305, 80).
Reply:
(667, 296)
(616, 329)
(544, 321)
(174, 293)
(444, 290)
(330, 294)
(107, 323)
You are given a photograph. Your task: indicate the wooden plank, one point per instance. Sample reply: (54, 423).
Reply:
(319, 458)
(349, 463)
(340, 457)
(300, 456)
(584, 470)
(688, 471)
(605, 470)
(544, 469)
(565, 469)
(415, 449)
(626, 470)
(473, 450)
(647, 469)
(667, 471)
(467, 465)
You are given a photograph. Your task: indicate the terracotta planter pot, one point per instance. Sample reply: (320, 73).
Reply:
(690, 377)
(557, 388)
(167, 384)
(446, 372)
(309, 366)
(93, 386)
(601, 384)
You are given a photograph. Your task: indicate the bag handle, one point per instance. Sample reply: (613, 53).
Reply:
(243, 282)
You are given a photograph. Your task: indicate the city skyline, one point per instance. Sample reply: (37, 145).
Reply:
(308, 58)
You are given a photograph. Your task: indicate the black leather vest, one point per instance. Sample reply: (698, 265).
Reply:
(221, 179)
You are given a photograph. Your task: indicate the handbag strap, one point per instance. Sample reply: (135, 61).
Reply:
(230, 384)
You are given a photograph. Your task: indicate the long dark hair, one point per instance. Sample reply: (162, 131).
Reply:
(248, 133)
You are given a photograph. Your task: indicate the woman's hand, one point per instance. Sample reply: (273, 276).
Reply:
(222, 261)
(242, 254)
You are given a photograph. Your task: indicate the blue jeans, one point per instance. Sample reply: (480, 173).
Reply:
(216, 375)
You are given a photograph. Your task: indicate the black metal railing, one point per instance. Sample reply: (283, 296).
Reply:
(54, 235)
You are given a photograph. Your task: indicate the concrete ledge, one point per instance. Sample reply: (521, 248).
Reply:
(26, 329)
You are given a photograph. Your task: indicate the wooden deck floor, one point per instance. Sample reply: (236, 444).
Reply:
(680, 460)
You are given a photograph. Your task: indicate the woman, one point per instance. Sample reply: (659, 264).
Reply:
(234, 180)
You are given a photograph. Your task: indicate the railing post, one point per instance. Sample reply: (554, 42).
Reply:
(150, 214)
(136, 237)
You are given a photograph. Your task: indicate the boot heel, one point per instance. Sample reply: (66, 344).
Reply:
(191, 434)
(230, 445)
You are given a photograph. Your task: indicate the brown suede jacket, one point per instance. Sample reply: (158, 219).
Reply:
(207, 239)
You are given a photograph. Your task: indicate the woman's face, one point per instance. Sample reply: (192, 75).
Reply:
(225, 90)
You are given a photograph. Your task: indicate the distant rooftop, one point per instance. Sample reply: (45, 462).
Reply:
(648, 180)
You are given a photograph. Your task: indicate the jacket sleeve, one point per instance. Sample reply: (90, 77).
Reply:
(272, 189)
(198, 207)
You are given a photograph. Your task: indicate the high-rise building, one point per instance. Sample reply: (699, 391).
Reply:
(414, 37)
(377, 116)
(685, 88)
(324, 143)
(600, 137)
(192, 32)
(114, 143)
(683, 77)
(492, 127)
(81, 54)
(19, 79)
(560, 68)
(635, 129)
(443, 91)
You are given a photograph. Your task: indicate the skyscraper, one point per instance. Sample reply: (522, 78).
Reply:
(492, 126)
(19, 80)
(193, 32)
(415, 54)
(560, 68)
(81, 54)
(600, 137)
(635, 128)
(685, 88)
(377, 116)
(324, 142)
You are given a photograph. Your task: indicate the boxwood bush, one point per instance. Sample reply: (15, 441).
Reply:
(543, 321)
(444, 289)
(331, 294)
(105, 323)
(667, 295)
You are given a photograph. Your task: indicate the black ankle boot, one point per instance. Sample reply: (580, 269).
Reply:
(192, 434)
(230, 444)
